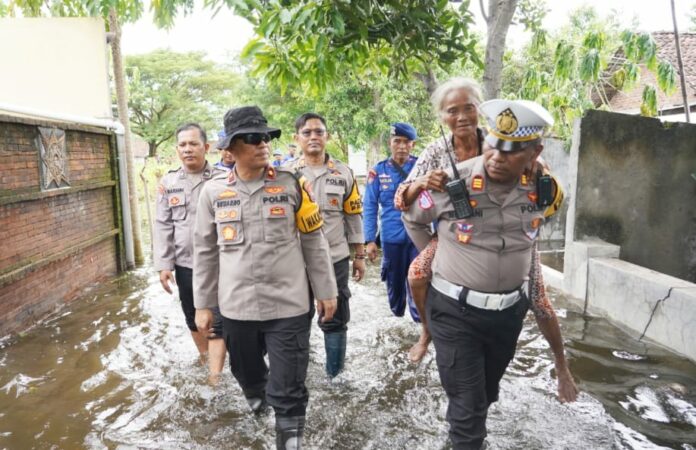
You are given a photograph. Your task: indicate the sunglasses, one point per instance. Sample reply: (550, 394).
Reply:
(254, 138)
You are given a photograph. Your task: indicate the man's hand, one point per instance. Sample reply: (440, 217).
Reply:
(435, 180)
(204, 321)
(325, 308)
(166, 276)
(358, 269)
(371, 251)
(567, 390)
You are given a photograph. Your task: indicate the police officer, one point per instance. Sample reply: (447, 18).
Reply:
(173, 235)
(336, 191)
(398, 250)
(226, 158)
(256, 231)
(478, 295)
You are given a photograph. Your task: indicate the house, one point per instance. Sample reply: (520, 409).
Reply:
(670, 108)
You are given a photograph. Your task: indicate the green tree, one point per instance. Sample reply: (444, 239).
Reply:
(168, 88)
(310, 43)
(590, 55)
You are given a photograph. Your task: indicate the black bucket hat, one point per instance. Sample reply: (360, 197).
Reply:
(247, 119)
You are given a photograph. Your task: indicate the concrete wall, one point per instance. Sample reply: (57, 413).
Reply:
(631, 186)
(58, 233)
(558, 157)
(648, 304)
(55, 64)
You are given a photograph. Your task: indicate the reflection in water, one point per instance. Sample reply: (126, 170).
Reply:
(119, 369)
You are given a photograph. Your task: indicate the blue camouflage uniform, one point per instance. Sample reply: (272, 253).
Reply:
(397, 249)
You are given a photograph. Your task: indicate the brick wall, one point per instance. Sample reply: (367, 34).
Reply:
(44, 290)
(53, 242)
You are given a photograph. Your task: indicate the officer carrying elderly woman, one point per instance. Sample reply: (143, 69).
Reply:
(488, 219)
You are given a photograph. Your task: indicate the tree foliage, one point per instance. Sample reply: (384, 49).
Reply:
(591, 57)
(309, 43)
(168, 88)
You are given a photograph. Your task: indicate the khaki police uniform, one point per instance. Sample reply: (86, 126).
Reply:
(258, 245)
(478, 295)
(175, 215)
(336, 191)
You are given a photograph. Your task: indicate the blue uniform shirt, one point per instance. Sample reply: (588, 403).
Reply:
(382, 181)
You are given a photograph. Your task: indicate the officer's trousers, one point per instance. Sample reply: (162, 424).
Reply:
(342, 316)
(287, 343)
(473, 347)
(396, 258)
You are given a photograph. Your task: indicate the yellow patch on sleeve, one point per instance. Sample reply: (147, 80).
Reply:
(558, 197)
(353, 204)
(307, 217)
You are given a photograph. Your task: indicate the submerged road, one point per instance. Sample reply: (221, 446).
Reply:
(117, 369)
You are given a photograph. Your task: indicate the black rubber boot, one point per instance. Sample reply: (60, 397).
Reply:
(335, 345)
(256, 401)
(289, 432)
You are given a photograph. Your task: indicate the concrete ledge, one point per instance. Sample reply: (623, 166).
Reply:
(575, 267)
(552, 277)
(657, 306)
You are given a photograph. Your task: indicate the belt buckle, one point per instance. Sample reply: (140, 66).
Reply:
(496, 303)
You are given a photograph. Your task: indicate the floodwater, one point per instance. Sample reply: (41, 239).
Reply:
(117, 369)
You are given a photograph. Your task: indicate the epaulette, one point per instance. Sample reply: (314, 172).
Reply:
(219, 175)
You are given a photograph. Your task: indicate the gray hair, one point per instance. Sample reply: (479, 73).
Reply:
(453, 84)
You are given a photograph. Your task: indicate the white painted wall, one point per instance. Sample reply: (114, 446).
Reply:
(55, 65)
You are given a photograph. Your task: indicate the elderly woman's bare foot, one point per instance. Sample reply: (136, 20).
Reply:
(420, 348)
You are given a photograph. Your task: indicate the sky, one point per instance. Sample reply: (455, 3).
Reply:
(226, 34)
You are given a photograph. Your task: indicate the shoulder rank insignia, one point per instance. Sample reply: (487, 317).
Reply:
(477, 183)
(532, 196)
(270, 173)
(231, 177)
(524, 180)
(330, 164)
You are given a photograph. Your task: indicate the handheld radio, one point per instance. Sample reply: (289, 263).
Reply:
(456, 189)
